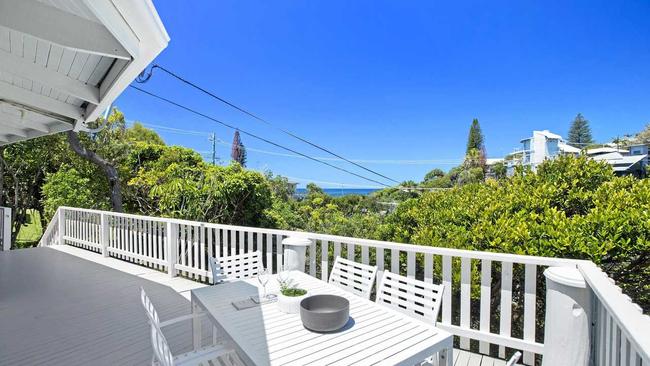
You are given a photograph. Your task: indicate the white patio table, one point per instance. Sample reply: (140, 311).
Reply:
(263, 335)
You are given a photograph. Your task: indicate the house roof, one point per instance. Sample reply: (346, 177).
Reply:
(605, 150)
(545, 133)
(63, 62)
(568, 148)
(619, 162)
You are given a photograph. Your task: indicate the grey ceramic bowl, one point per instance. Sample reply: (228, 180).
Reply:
(324, 313)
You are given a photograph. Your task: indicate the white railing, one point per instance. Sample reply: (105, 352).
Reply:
(493, 302)
(621, 333)
(51, 234)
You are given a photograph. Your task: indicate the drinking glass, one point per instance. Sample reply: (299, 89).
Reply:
(263, 278)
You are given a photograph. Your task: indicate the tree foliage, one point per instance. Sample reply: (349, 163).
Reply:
(580, 132)
(572, 207)
(475, 139)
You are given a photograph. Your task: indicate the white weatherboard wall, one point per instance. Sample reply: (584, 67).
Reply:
(620, 331)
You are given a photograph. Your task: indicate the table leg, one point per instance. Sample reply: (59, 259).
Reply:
(196, 326)
(446, 356)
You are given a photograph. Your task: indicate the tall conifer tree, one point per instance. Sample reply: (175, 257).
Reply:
(238, 150)
(580, 132)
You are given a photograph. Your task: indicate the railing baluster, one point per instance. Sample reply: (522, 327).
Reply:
(486, 294)
(351, 251)
(394, 261)
(465, 292)
(337, 249)
(410, 264)
(530, 307)
(278, 250)
(505, 318)
(324, 259)
(365, 254)
(250, 247)
(312, 258)
(446, 294)
(202, 244)
(380, 265)
(269, 252)
(428, 268)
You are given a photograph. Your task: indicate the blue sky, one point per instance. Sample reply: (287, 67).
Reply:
(398, 80)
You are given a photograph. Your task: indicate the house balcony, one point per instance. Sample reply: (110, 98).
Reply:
(64, 304)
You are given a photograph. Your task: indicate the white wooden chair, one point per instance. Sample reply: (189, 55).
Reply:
(353, 277)
(417, 299)
(162, 355)
(233, 267)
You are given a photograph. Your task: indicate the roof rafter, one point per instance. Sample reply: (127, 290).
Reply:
(64, 29)
(11, 93)
(15, 121)
(24, 68)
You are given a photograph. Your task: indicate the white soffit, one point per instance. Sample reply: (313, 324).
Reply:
(63, 62)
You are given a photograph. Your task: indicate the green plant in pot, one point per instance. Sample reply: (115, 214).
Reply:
(290, 294)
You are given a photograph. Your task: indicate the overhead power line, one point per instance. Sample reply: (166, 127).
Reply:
(275, 153)
(145, 77)
(169, 101)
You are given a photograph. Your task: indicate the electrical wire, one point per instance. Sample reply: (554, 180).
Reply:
(169, 101)
(275, 153)
(144, 77)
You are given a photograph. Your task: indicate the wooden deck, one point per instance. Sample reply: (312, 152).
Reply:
(465, 358)
(69, 306)
(59, 309)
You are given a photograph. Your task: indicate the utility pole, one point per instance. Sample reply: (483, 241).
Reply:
(213, 138)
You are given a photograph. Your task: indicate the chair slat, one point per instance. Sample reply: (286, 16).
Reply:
(246, 265)
(418, 299)
(353, 277)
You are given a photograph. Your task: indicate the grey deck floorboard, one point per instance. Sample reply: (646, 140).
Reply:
(57, 309)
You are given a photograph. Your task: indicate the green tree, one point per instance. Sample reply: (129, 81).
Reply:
(499, 170)
(69, 187)
(580, 132)
(433, 174)
(475, 139)
(139, 133)
(643, 137)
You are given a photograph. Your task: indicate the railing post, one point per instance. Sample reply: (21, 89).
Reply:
(568, 323)
(295, 252)
(172, 248)
(104, 227)
(61, 213)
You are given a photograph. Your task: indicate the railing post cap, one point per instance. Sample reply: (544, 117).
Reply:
(297, 241)
(567, 276)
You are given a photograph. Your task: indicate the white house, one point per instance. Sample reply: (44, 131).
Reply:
(542, 145)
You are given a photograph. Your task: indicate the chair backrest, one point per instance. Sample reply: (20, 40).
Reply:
(353, 277)
(149, 308)
(159, 343)
(233, 267)
(418, 299)
(160, 347)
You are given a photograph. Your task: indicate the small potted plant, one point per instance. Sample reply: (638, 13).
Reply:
(290, 295)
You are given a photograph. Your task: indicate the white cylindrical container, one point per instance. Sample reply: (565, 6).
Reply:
(295, 251)
(567, 324)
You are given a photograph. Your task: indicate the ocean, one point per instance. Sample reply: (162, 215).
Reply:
(338, 192)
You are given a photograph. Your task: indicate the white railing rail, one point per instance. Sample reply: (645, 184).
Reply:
(51, 234)
(494, 302)
(621, 332)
